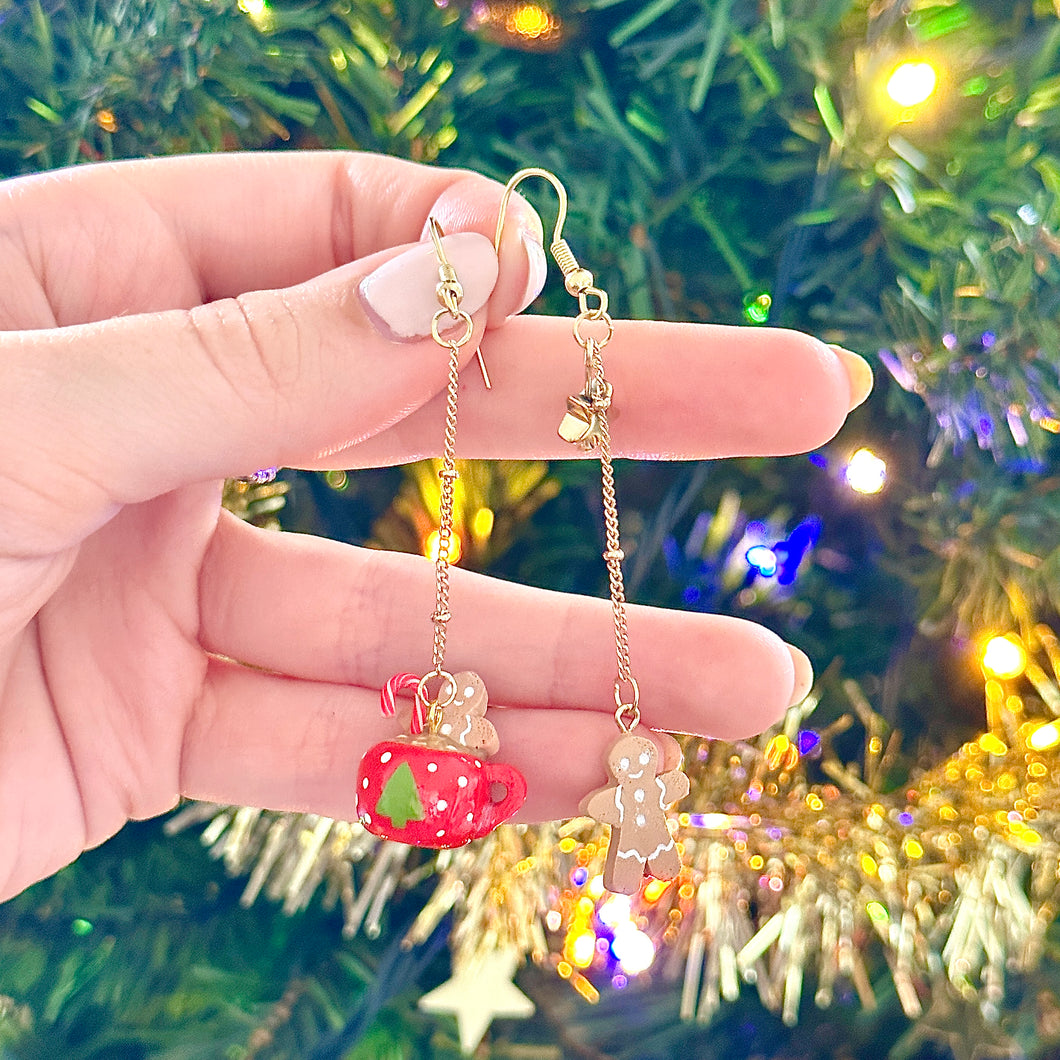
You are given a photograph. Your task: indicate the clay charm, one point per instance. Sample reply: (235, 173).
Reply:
(430, 792)
(463, 718)
(635, 808)
(433, 787)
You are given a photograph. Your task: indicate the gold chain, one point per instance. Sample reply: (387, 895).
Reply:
(450, 315)
(597, 396)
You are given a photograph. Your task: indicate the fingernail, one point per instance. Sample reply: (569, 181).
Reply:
(537, 270)
(400, 299)
(859, 375)
(803, 675)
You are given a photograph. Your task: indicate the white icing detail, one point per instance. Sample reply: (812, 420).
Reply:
(623, 764)
(443, 805)
(618, 805)
(641, 820)
(636, 776)
(462, 781)
(432, 767)
(469, 691)
(445, 729)
(467, 729)
(385, 757)
(654, 854)
(639, 794)
(645, 758)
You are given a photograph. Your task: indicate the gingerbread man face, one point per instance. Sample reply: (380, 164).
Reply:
(633, 759)
(635, 808)
(463, 720)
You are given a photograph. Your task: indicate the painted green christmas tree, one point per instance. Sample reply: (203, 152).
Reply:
(399, 799)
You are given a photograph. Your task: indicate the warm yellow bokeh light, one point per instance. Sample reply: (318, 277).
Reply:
(866, 472)
(530, 20)
(581, 948)
(430, 547)
(482, 523)
(912, 83)
(1004, 657)
(1042, 739)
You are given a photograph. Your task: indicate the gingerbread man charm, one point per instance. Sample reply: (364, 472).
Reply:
(463, 717)
(635, 808)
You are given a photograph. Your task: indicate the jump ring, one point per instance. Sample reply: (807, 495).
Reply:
(428, 712)
(627, 707)
(587, 315)
(448, 686)
(456, 318)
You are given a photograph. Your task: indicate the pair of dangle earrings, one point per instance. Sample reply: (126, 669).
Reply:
(436, 786)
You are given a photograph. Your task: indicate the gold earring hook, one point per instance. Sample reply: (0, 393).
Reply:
(577, 280)
(449, 288)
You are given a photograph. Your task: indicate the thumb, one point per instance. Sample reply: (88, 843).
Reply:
(128, 408)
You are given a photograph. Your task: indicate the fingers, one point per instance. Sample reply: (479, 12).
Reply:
(681, 391)
(263, 740)
(176, 232)
(328, 612)
(124, 410)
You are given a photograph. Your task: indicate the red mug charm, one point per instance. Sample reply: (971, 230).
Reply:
(428, 791)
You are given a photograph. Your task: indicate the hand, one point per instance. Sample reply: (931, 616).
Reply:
(169, 323)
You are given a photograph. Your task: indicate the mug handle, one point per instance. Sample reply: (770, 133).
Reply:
(495, 813)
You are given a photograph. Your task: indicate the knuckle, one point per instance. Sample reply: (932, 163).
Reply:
(253, 342)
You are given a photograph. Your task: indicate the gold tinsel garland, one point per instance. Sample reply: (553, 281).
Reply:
(954, 878)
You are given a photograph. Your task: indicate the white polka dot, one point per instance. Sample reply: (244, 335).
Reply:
(462, 781)
(443, 805)
(385, 757)
(432, 767)
(639, 794)
(478, 764)
(364, 783)
(440, 833)
(470, 817)
(640, 820)
(366, 818)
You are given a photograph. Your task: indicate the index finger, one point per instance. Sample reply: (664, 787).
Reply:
(170, 233)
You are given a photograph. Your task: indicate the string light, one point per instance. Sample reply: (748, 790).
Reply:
(430, 547)
(1004, 657)
(482, 524)
(865, 472)
(756, 307)
(1044, 737)
(912, 83)
(762, 559)
(258, 12)
(633, 949)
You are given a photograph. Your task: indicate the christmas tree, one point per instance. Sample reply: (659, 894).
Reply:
(877, 876)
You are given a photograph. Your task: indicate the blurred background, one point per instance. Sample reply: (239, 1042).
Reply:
(877, 876)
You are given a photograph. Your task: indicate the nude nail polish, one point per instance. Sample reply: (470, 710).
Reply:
(399, 297)
(803, 675)
(859, 374)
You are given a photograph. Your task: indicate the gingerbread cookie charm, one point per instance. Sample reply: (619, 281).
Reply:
(635, 808)
(463, 717)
